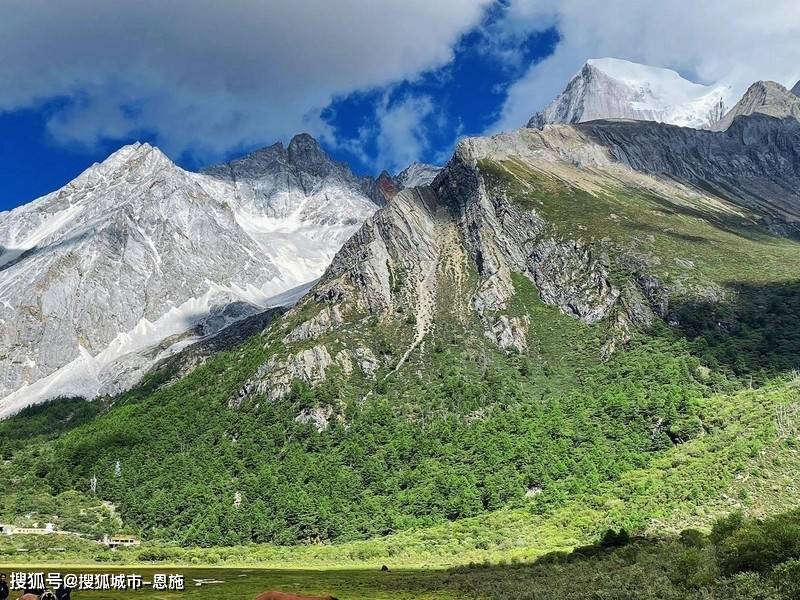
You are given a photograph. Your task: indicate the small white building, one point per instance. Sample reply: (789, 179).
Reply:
(6, 529)
(121, 541)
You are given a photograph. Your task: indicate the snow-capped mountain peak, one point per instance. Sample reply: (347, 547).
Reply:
(130, 259)
(608, 88)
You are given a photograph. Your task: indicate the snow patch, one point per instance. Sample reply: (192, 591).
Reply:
(83, 376)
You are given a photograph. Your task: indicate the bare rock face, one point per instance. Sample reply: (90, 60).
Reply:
(327, 319)
(319, 417)
(502, 238)
(366, 361)
(274, 378)
(755, 162)
(398, 242)
(417, 174)
(796, 89)
(509, 332)
(568, 275)
(766, 98)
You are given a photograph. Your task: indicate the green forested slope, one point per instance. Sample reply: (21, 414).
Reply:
(459, 448)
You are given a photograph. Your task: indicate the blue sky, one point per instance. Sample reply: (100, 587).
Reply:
(427, 111)
(378, 83)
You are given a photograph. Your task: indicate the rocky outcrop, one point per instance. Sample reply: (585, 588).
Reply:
(397, 244)
(319, 417)
(509, 332)
(274, 378)
(796, 89)
(366, 361)
(417, 174)
(766, 98)
(327, 319)
(501, 238)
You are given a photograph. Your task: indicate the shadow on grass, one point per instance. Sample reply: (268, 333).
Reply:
(755, 334)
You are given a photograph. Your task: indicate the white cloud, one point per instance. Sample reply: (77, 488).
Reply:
(401, 131)
(706, 40)
(208, 76)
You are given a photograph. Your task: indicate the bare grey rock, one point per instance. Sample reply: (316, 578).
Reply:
(755, 162)
(97, 276)
(344, 362)
(274, 378)
(417, 174)
(319, 417)
(509, 332)
(324, 321)
(367, 361)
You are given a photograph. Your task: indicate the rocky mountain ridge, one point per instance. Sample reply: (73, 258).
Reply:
(417, 174)
(766, 98)
(452, 250)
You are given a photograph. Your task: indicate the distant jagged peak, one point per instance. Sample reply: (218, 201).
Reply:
(766, 98)
(305, 149)
(417, 174)
(612, 88)
(304, 161)
(796, 89)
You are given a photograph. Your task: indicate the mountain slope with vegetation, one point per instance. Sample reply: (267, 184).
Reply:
(558, 336)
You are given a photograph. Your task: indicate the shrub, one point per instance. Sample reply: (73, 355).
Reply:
(760, 546)
(726, 526)
(692, 538)
(786, 579)
(693, 568)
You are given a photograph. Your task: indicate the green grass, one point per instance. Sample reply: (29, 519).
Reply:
(742, 558)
